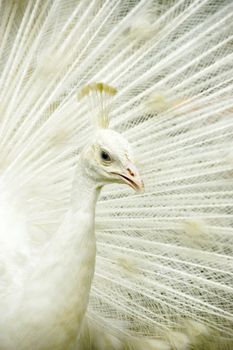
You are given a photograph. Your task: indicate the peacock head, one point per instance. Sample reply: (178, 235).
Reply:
(108, 157)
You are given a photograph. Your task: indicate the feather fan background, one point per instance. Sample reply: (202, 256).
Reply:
(164, 274)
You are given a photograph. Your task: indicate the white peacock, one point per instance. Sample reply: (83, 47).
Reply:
(164, 262)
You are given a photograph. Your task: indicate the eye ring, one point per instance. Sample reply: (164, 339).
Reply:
(105, 156)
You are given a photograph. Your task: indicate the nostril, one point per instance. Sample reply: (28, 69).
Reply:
(130, 172)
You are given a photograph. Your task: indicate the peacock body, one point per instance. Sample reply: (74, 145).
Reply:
(164, 264)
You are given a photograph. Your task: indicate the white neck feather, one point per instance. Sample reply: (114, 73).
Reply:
(85, 191)
(59, 287)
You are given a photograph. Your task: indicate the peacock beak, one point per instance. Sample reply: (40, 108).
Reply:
(131, 177)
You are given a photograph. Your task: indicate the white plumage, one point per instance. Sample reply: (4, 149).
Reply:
(164, 264)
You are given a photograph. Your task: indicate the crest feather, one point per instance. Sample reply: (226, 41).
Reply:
(99, 95)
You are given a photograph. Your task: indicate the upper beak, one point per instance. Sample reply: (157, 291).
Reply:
(132, 178)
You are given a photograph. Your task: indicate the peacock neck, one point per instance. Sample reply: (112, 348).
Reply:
(85, 191)
(64, 275)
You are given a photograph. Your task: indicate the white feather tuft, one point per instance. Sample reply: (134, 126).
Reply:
(179, 341)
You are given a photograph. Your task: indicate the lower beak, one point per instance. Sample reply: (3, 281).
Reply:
(132, 178)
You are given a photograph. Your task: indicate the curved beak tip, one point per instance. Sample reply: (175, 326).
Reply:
(141, 188)
(134, 179)
(131, 177)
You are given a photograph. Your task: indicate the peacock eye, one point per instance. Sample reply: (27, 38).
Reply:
(105, 156)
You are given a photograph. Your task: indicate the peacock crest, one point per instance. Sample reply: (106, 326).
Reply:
(99, 100)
